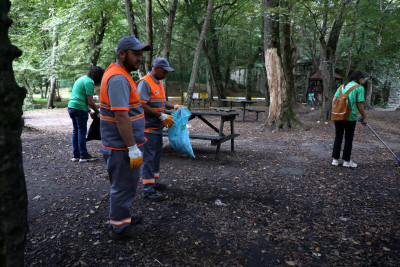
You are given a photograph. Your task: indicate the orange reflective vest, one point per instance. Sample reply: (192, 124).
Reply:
(110, 136)
(156, 102)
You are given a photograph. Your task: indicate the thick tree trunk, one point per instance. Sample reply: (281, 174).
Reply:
(13, 195)
(329, 88)
(196, 61)
(281, 115)
(149, 35)
(287, 57)
(131, 19)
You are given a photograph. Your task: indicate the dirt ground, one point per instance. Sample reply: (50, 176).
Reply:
(275, 201)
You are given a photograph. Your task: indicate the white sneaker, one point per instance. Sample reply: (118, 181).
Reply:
(349, 164)
(335, 162)
(312, 108)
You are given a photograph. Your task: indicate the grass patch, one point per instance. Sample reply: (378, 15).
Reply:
(41, 103)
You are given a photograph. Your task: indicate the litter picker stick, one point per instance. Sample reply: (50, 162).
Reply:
(398, 160)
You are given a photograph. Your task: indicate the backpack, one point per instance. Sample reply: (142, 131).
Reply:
(341, 110)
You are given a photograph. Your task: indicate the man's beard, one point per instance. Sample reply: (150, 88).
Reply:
(129, 66)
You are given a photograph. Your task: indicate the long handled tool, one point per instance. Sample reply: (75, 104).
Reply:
(398, 160)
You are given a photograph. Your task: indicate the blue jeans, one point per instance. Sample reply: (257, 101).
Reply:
(79, 122)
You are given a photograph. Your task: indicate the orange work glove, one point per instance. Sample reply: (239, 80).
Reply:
(135, 156)
(167, 120)
(176, 107)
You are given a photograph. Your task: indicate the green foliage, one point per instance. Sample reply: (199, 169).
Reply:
(72, 27)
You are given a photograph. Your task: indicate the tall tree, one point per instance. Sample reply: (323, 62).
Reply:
(281, 115)
(131, 18)
(328, 44)
(13, 195)
(149, 34)
(168, 34)
(196, 60)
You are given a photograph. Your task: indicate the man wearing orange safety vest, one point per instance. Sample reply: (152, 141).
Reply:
(122, 136)
(153, 100)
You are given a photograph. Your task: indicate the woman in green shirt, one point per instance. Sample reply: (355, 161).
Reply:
(356, 99)
(82, 96)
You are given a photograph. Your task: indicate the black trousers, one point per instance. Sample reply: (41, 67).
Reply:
(347, 128)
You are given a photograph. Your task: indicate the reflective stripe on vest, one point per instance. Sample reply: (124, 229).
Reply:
(110, 136)
(156, 102)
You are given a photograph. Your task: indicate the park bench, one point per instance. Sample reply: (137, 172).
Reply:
(254, 109)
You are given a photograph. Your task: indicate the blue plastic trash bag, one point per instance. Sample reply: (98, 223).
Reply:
(178, 134)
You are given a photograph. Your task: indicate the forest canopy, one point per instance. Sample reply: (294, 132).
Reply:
(62, 39)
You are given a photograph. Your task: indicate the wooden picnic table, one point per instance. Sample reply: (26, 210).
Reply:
(244, 102)
(220, 137)
(201, 101)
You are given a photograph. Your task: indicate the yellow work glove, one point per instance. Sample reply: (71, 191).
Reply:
(167, 120)
(176, 107)
(135, 156)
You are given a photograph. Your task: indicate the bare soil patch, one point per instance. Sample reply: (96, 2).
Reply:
(275, 201)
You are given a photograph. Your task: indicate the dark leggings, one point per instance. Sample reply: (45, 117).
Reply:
(347, 128)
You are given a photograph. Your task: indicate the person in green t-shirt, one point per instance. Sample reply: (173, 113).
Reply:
(82, 96)
(311, 100)
(356, 101)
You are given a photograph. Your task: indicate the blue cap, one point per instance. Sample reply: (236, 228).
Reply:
(161, 62)
(131, 43)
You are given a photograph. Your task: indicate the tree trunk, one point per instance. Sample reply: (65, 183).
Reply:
(27, 87)
(131, 18)
(353, 37)
(281, 115)
(329, 88)
(210, 83)
(287, 55)
(213, 57)
(168, 37)
(196, 61)
(149, 35)
(52, 71)
(50, 102)
(13, 195)
(97, 39)
(41, 89)
(368, 95)
(327, 59)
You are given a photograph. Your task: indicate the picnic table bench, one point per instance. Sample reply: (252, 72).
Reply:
(244, 102)
(221, 137)
(222, 109)
(254, 109)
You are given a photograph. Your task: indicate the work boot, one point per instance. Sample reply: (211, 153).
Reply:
(154, 196)
(128, 233)
(136, 219)
(349, 164)
(160, 187)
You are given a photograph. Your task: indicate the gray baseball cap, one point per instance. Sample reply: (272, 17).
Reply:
(131, 42)
(161, 62)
